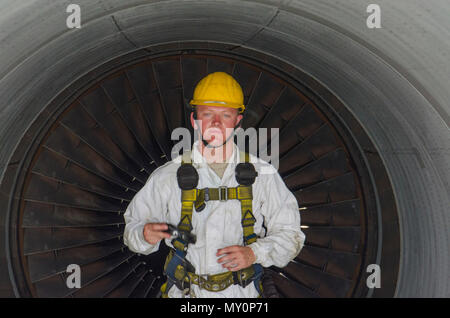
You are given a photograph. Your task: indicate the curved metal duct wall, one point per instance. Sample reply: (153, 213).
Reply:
(100, 148)
(86, 116)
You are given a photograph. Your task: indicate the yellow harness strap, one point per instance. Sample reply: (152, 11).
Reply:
(245, 195)
(188, 197)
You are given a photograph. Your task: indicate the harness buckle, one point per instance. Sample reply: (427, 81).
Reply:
(188, 290)
(206, 194)
(202, 280)
(223, 194)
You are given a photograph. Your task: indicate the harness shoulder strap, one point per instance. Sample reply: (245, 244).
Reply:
(245, 175)
(244, 156)
(186, 157)
(187, 178)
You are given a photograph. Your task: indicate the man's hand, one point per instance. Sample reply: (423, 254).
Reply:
(236, 257)
(154, 232)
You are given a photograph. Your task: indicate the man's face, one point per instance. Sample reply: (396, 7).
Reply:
(217, 123)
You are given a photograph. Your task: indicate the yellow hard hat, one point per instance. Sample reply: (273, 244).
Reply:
(219, 89)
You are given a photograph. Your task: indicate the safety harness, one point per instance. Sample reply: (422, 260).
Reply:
(181, 272)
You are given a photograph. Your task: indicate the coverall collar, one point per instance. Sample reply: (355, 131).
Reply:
(200, 161)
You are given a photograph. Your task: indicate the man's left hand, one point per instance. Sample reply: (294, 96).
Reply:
(236, 257)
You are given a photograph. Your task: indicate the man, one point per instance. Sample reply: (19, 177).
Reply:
(231, 242)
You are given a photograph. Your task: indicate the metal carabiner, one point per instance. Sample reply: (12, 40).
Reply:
(184, 291)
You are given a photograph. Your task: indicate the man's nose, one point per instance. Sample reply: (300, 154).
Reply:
(216, 119)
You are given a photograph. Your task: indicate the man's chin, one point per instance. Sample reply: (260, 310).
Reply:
(215, 143)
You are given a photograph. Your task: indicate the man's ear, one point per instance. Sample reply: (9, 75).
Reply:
(239, 119)
(194, 125)
(193, 121)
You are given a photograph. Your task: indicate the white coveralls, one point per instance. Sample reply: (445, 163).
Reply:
(219, 224)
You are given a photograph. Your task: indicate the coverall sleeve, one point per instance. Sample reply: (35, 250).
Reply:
(149, 205)
(284, 238)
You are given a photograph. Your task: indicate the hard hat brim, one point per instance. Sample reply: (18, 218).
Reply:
(197, 102)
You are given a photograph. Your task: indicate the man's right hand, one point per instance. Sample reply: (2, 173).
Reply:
(154, 232)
